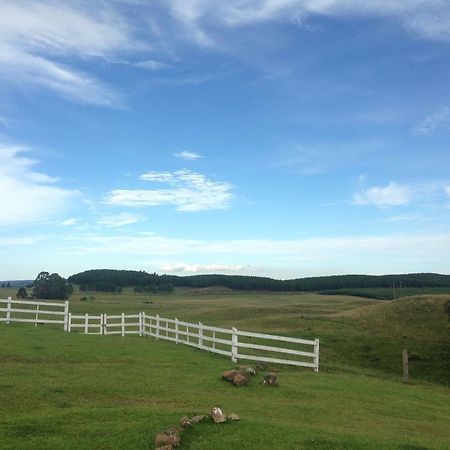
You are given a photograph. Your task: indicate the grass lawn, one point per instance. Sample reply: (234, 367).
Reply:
(71, 391)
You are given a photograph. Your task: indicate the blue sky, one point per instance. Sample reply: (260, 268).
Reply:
(278, 137)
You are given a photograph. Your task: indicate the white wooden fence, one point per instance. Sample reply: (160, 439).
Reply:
(34, 312)
(231, 342)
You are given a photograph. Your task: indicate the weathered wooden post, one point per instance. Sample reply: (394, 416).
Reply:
(234, 343)
(123, 324)
(405, 366)
(8, 310)
(157, 326)
(37, 316)
(141, 324)
(176, 330)
(316, 355)
(66, 314)
(69, 324)
(86, 323)
(200, 334)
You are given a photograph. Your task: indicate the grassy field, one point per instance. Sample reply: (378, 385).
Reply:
(69, 391)
(388, 293)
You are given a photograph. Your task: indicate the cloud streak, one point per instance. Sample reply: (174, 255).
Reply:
(187, 191)
(39, 42)
(384, 197)
(28, 196)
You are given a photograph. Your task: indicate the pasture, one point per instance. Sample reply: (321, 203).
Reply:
(60, 390)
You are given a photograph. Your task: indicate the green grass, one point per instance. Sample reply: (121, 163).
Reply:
(73, 391)
(387, 293)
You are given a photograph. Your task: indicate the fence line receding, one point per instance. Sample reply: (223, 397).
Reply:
(231, 342)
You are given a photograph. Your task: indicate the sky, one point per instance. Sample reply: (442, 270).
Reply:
(283, 138)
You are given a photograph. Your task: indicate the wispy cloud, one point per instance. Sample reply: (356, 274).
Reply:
(28, 196)
(119, 220)
(69, 222)
(190, 156)
(429, 19)
(202, 268)
(150, 64)
(430, 194)
(187, 191)
(437, 122)
(40, 40)
(383, 197)
(362, 254)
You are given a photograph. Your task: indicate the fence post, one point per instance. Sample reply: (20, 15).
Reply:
(69, 323)
(141, 326)
(105, 326)
(176, 330)
(234, 342)
(86, 323)
(214, 341)
(200, 334)
(66, 314)
(157, 326)
(405, 366)
(8, 310)
(37, 316)
(123, 324)
(316, 355)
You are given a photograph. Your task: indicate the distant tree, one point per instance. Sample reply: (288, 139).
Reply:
(51, 287)
(22, 293)
(8, 284)
(119, 290)
(3, 285)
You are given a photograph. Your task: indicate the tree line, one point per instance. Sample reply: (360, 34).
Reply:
(91, 279)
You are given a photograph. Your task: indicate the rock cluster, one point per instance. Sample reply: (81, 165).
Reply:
(241, 375)
(171, 437)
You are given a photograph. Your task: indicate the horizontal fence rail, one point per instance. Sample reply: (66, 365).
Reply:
(234, 343)
(231, 342)
(30, 311)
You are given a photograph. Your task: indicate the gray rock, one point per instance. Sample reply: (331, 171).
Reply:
(270, 380)
(217, 415)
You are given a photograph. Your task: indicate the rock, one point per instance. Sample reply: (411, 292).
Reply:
(237, 377)
(247, 369)
(270, 380)
(233, 416)
(217, 415)
(229, 375)
(163, 439)
(197, 419)
(185, 421)
(240, 379)
(173, 431)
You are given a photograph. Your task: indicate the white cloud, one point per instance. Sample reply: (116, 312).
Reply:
(190, 156)
(447, 190)
(187, 191)
(366, 254)
(383, 197)
(69, 222)
(435, 122)
(119, 220)
(27, 196)
(36, 36)
(150, 64)
(429, 19)
(202, 268)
